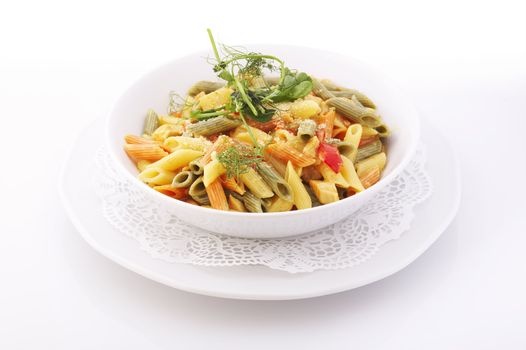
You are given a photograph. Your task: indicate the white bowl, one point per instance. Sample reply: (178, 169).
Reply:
(151, 91)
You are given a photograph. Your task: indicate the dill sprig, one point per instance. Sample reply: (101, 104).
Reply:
(237, 159)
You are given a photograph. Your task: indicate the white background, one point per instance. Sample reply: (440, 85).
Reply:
(464, 64)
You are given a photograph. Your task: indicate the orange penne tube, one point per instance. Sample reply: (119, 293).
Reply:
(370, 177)
(134, 139)
(216, 195)
(364, 141)
(146, 151)
(231, 184)
(220, 144)
(328, 120)
(285, 153)
(169, 190)
(266, 126)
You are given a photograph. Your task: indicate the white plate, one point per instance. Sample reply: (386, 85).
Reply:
(255, 282)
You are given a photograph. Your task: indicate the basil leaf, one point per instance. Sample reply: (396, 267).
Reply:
(294, 86)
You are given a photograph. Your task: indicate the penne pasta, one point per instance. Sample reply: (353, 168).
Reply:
(325, 191)
(287, 153)
(349, 174)
(177, 159)
(151, 122)
(213, 126)
(355, 112)
(280, 187)
(134, 139)
(378, 160)
(256, 184)
(369, 150)
(255, 143)
(156, 176)
(145, 151)
(236, 204)
(301, 197)
(353, 136)
(183, 179)
(216, 195)
(330, 176)
(212, 171)
(252, 203)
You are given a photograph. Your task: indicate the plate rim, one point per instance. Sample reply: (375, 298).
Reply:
(159, 278)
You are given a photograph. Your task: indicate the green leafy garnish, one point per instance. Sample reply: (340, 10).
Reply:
(238, 159)
(294, 86)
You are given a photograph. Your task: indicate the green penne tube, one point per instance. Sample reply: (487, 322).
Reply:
(204, 86)
(383, 130)
(355, 112)
(307, 129)
(369, 150)
(252, 203)
(213, 126)
(320, 90)
(196, 167)
(277, 183)
(151, 122)
(197, 188)
(202, 199)
(266, 203)
(183, 179)
(350, 93)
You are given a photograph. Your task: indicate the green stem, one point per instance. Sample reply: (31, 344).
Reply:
(245, 97)
(212, 41)
(250, 133)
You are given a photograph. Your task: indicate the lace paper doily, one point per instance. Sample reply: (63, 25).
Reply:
(341, 245)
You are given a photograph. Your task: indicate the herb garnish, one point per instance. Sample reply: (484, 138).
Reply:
(237, 159)
(238, 68)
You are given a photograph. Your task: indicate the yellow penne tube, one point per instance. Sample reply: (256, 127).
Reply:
(349, 174)
(325, 191)
(212, 171)
(236, 204)
(301, 196)
(177, 159)
(173, 143)
(255, 184)
(142, 164)
(368, 131)
(217, 196)
(378, 160)
(156, 176)
(330, 176)
(278, 204)
(241, 133)
(353, 136)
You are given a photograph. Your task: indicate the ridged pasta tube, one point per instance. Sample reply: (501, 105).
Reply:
(196, 166)
(320, 89)
(369, 150)
(151, 122)
(307, 129)
(350, 93)
(204, 86)
(252, 203)
(256, 184)
(183, 179)
(354, 112)
(278, 184)
(197, 188)
(383, 130)
(213, 126)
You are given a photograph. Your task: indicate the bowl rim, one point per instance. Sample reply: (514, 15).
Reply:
(406, 158)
